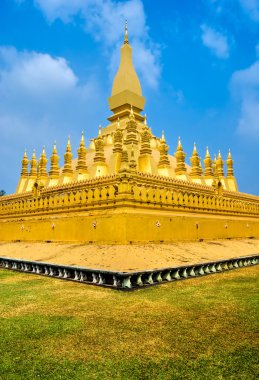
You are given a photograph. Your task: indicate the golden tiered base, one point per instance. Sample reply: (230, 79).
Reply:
(128, 208)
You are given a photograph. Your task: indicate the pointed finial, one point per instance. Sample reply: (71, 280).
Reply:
(33, 170)
(126, 37)
(179, 142)
(118, 123)
(163, 136)
(194, 148)
(208, 165)
(25, 161)
(68, 149)
(43, 150)
(82, 137)
(230, 162)
(99, 130)
(55, 146)
(145, 119)
(219, 154)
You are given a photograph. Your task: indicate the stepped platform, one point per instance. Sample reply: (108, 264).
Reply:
(127, 258)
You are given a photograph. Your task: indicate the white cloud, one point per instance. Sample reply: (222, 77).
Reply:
(63, 9)
(215, 41)
(42, 100)
(33, 84)
(104, 20)
(251, 7)
(145, 61)
(245, 88)
(36, 73)
(226, 7)
(249, 121)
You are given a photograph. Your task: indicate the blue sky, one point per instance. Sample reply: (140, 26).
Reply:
(198, 62)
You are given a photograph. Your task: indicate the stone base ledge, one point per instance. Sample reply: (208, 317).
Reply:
(126, 280)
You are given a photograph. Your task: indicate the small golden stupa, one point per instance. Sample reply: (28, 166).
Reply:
(125, 187)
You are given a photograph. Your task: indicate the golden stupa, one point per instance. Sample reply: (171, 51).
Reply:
(125, 187)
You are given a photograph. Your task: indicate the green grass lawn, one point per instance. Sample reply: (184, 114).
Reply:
(202, 328)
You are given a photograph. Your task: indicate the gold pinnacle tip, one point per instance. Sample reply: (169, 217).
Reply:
(126, 40)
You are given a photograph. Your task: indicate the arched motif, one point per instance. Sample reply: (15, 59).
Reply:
(163, 196)
(190, 201)
(180, 198)
(143, 194)
(78, 197)
(186, 199)
(136, 192)
(196, 200)
(175, 198)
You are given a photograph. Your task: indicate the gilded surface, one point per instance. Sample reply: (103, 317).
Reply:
(125, 187)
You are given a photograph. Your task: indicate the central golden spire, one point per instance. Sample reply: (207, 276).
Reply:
(126, 89)
(126, 38)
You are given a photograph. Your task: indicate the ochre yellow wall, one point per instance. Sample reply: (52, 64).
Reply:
(128, 208)
(128, 226)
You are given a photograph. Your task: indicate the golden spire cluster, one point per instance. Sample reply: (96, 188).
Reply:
(132, 149)
(212, 169)
(126, 144)
(38, 169)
